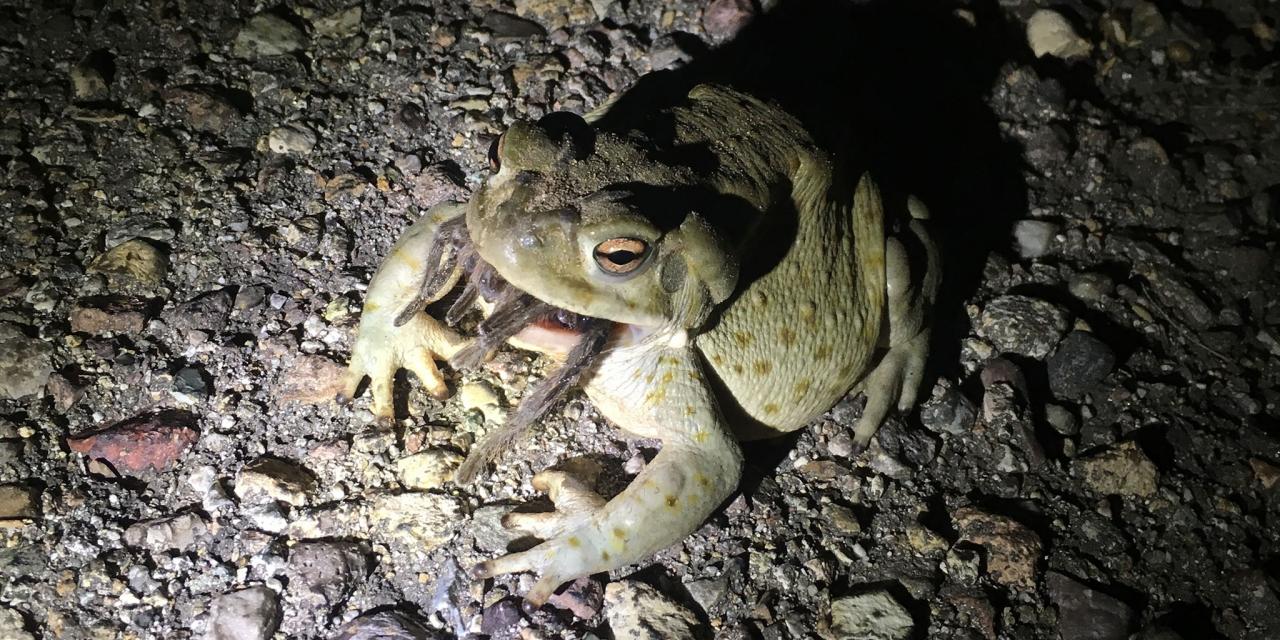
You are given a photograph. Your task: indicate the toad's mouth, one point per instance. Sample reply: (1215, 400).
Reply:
(514, 316)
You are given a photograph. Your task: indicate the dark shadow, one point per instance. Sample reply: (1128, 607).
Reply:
(897, 88)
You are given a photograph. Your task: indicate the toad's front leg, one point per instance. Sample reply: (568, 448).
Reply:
(394, 333)
(651, 392)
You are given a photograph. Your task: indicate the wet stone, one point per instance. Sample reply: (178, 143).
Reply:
(1049, 33)
(505, 25)
(274, 479)
(1079, 365)
(207, 312)
(1086, 614)
(204, 108)
(171, 533)
(428, 469)
(948, 410)
(1012, 550)
(486, 525)
(247, 614)
(18, 502)
(12, 626)
(1091, 287)
(267, 35)
(500, 618)
(191, 381)
(383, 625)
(1032, 238)
(723, 18)
(322, 575)
(311, 380)
(100, 315)
(1121, 470)
(875, 615)
(340, 24)
(149, 442)
(422, 520)
(1022, 325)
(582, 597)
(25, 363)
(1180, 299)
(292, 139)
(638, 611)
(130, 265)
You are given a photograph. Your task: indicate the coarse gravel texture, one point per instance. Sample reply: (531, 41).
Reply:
(195, 194)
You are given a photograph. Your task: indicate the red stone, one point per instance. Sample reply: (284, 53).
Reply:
(151, 441)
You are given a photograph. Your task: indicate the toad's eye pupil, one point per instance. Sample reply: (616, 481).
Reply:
(494, 147)
(621, 255)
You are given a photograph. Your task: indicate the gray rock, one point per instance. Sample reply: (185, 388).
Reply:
(247, 614)
(486, 526)
(292, 139)
(1086, 614)
(19, 502)
(1023, 325)
(1032, 238)
(12, 626)
(874, 615)
(708, 593)
(500, 618)
(384, 625)
(1180, 299)
(322, 575)
(638, 611)
(341, 24)
(582, 597)
(267, 35)
(505, 25)
(268, 479)
(1091, 287)
(1049, 33)
(171, 533)
(1122, 470)
(25, 363)
(723, 18)
(206, 312)
(1061, 419)
(948, 410)
(190, 381)
(1080, 364)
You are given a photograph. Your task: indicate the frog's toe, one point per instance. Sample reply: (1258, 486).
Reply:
(574, 500)
(914, 357)
(419, 360)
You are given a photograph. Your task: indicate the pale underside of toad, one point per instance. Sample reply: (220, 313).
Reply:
(706, 275)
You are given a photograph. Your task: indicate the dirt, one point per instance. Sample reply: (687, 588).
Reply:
(195, 194)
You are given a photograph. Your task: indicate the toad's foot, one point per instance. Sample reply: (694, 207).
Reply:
(697, 468)
(573, 497)
(912, 274)
(382, 349)
(896, 377)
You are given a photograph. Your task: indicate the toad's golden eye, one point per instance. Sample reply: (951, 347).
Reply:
(621, 256)
(495, 149)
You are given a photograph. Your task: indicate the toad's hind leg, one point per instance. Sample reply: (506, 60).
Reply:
(695, 471)
(911, 285)
(382, 346)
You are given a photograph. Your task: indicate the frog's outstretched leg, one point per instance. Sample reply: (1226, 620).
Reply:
(697, 469)
(898, 375)
(382, 347)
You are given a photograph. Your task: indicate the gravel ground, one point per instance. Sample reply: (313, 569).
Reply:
(194, 196)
